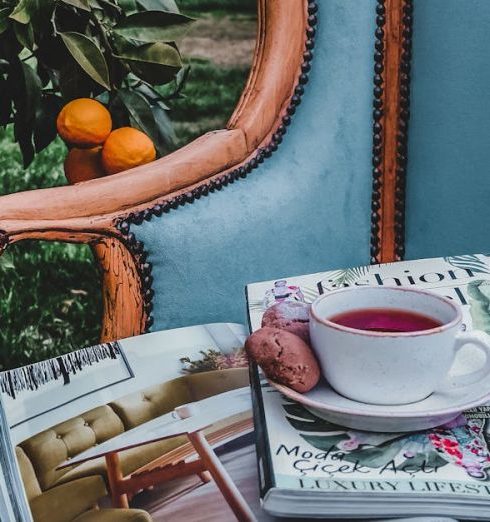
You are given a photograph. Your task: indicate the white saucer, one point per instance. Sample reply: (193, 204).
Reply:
(437, 409)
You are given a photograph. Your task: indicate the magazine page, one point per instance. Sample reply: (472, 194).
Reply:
(309, 453)
(13, 501)
(99, 425)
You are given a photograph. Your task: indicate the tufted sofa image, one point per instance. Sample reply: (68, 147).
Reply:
(72, 493)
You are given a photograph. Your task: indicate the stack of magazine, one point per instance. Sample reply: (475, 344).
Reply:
(307, 466)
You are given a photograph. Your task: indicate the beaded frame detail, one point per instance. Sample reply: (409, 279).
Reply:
(137, 247)
(401, 131)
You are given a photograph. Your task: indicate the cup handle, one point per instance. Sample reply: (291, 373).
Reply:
(482, 341)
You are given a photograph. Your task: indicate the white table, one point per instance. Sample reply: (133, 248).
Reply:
(209, 411)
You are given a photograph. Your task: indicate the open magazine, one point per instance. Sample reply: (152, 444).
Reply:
(95, 427)
(311, 467)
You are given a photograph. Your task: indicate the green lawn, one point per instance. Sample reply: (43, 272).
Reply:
(211, 94)
(49, 292)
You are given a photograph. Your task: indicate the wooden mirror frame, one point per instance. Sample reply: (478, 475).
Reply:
(99, 212)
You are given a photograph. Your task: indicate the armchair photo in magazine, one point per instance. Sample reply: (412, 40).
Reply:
(102, 428)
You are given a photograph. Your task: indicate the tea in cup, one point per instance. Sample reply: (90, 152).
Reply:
(390, 345)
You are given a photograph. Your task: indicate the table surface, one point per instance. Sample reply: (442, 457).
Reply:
(208, 411)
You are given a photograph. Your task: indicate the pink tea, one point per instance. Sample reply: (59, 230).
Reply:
(385, 320)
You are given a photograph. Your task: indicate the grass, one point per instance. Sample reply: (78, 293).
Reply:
(45, 171)
(50, 301)
(211, 94)
(50, 298)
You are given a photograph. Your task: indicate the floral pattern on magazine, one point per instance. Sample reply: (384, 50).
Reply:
(343, 278)
(479, 300)
(469, 262)
(463, 442)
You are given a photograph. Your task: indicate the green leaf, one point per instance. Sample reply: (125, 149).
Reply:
(346, 277)
(45, 126)
(179, 83)
(23, 136)
(4, 19)
(181, 78)
(70, 81)
(21, 13)
(149, 93)
(128, 6)
(468, 262)
(165, 130)
(140, 113)
(25, 35)
(79, 4)
(113, 5)
(374, 457)
(322, 442)
(299, 411)
(154, 26)
(32, 88)
(6, 262)
(88, 55)
(156, 63)
(159, 5)
(27, 97)
(423, 461)
(5, 102)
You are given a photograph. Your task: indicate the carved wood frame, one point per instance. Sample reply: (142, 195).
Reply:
(392, 58)
(97, 213)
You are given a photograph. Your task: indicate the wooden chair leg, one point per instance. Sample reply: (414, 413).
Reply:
(115, 477)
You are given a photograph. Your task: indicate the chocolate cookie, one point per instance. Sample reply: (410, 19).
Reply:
(284, 357)
(292, 316)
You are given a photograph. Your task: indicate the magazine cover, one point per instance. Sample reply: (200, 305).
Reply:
(299, 451)
(136, 425)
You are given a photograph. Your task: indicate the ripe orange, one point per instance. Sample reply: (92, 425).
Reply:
(83, 164)
(126, 148)
(84, 123)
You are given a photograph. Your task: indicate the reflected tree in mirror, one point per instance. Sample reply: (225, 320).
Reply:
(117, 51)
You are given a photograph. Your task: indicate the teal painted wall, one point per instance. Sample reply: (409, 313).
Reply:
(448, 181)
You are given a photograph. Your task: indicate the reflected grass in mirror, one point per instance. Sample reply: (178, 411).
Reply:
(50, 301)
(211, 94)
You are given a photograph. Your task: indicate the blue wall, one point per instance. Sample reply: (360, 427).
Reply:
(448, 182)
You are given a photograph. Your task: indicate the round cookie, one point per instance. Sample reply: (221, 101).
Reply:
(292, 316)
(284, 357)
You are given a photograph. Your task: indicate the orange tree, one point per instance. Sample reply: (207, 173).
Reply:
(116, 51)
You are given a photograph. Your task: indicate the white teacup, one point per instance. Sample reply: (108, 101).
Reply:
(392, 367)
(184, 411)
